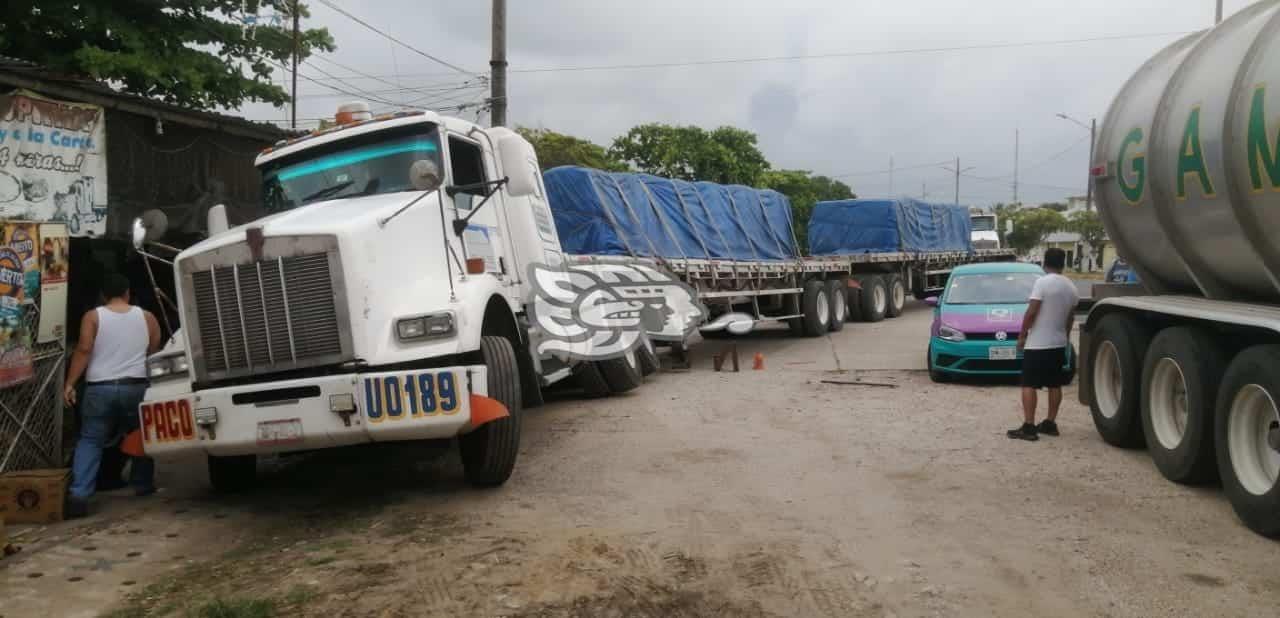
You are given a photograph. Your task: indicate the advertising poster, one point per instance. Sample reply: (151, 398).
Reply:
(53, 164)
(54, 266)
(15, 338)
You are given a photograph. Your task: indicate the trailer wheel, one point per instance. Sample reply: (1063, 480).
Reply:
(1247, 437)
(873, 302)
(648, 357)
(489, 452)
(897, 291)
(816, 308)
(839, 308)
(1179, 391)
(1118, 350)
(621, 374)
(233, 474)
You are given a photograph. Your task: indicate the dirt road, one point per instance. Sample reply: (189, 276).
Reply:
(702, 494)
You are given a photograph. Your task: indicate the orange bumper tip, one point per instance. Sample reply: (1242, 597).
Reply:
(486, 410)
(132, 444)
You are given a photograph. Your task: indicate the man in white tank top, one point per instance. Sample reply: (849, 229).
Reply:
(115, 340)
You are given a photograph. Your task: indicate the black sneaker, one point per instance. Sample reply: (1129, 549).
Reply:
(75, 508)
(1048, 428)
(1026, 432)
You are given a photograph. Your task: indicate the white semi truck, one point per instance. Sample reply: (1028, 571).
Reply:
(386, 296)
(1187, 174)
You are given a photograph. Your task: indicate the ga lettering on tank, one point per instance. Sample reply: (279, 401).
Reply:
(167, 421)
(412, 395)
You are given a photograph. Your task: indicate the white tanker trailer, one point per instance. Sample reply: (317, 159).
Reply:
(1187, 175)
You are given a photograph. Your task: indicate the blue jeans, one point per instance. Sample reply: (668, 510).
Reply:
(106, 412)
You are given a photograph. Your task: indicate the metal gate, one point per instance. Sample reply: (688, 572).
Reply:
(31, 430)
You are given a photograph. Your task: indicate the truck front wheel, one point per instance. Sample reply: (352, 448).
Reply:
(489, 452)
(233, 474)
(1247, 437)
(1116, 363)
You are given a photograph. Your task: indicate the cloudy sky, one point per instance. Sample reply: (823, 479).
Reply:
(844, 115)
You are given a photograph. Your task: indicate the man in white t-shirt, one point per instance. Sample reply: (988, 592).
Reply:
(1044, 341)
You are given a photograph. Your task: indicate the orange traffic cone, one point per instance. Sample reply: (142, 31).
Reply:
(759, 362)
(132, 444)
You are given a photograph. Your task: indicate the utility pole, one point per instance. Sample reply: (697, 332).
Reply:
(890, 176)
(1218, 16)
(1088, 191)
(293, 105)
(498, 65)
(958, 170)
(924, 191)
(1016, 139)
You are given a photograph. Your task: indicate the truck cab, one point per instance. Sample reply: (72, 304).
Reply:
(379, 299)
(985, 232)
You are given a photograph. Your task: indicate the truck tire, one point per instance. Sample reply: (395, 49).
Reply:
(873, 301)
(621, 374)
(1180, 378)
(852, 304)
(837, 297)
(1114, 401)
(489, 452)
(816, 306)
(233, 474)
(1245, 434)
(648, 357)
(590, 380)
(897, 296)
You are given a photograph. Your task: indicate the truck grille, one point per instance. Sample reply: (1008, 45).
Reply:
(267, 315)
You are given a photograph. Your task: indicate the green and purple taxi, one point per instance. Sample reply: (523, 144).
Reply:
(977, 319)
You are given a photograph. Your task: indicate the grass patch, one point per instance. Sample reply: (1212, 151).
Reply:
(320, 560)
(300, 594)
(236, 608)
(336, 546)
(131, 611)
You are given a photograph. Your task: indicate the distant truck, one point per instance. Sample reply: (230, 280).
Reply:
(1187, 174)
(986, 232)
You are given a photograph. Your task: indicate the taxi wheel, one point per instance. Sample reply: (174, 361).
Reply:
(233, 474)
(489, 452)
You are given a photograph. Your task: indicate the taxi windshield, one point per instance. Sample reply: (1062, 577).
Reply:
(366, 164)
(990, 288)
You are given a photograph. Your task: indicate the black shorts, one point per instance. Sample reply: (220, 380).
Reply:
(1045, 368)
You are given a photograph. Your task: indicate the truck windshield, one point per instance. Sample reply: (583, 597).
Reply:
(984, 224)
(990, 288)
(363, 165)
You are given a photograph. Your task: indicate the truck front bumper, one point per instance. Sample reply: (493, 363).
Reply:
(311, 413)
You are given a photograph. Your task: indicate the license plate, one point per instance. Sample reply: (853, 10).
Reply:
(1002, 353)
(287, 431)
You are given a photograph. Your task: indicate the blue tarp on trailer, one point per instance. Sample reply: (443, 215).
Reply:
(884, 226)
(601, 213)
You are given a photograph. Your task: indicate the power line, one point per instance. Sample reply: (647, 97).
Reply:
(393, 39)
(854, 54)
(895, 169)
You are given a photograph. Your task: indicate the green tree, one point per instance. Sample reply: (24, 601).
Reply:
(1055, 206)
(556, 149)
(1031, 226)
(189, 53)
(1004, 212)
(726, 155)
(1089, 226)
(804, 190)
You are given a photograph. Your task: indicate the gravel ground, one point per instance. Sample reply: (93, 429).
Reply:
(761, 493)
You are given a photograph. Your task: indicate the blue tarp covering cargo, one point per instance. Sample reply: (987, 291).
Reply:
(884, 226)
(603, 213)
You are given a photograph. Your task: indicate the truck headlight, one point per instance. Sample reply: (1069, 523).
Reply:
(949, 334)
(167, 366)
(425, 327)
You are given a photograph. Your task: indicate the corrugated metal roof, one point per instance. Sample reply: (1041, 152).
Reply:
(19, 73)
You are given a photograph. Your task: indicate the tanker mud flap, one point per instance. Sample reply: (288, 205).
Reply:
(427, 404)
(1084, 374)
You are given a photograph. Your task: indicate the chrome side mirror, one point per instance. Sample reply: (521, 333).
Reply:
(424, 175)
(520, 164)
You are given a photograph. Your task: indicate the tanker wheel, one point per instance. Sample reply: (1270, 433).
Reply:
(873, 301)
(1247, 437)
(897, 296)
(839, 308)
(1118, 349)
(1180, 380)
(816, 307)
(648, 357)
(621, 374)
(489, 451)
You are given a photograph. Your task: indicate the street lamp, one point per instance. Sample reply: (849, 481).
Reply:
(1092, 128)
